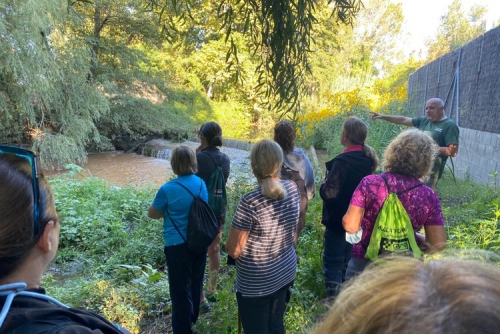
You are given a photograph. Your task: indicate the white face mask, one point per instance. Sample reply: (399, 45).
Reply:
(355, 237)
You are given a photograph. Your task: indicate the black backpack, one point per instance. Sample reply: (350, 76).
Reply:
(216, 186)
(289, 174)
(202, 224)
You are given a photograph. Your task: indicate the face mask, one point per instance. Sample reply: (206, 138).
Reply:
(355, 237)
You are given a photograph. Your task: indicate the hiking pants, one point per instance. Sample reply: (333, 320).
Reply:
(263, 315)
(355, 267)
(336, 256)
(185, 277)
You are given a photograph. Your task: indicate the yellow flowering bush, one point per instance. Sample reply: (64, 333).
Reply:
(322, 127)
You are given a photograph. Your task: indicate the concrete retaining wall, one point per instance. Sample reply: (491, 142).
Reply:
(478, 156)
(468, 81)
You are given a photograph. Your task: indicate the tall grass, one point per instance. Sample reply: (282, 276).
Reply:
(111, 258)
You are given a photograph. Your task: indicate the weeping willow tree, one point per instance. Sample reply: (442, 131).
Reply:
(47, 101)
(279, 32)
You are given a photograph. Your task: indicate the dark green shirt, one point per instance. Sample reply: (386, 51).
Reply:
(444, 133)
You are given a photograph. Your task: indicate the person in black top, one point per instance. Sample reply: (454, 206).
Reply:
(29, 238)
(343, 175)
(209, 157)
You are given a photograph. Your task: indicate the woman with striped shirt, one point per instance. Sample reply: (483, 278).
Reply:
(261, 240)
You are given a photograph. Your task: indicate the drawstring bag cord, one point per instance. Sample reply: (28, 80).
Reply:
(17, 289)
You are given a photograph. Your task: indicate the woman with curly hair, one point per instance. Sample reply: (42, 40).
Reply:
(294, 157)
(405, 295)
(407, 160)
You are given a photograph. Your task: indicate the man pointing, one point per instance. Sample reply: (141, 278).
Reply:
(444, 131)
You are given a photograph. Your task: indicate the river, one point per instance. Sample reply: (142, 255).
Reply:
(138, 171)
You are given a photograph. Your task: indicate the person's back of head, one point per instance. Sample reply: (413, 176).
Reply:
(266, 158)
(356, 132)
(409, 296)
(20, 227)
(212, 132)
(411, 153)
(183, 160)
(284, 135)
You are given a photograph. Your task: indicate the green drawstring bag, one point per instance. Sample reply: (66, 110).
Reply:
(393, 232)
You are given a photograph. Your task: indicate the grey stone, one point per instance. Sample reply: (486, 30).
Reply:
(486, 138)
(488, 152)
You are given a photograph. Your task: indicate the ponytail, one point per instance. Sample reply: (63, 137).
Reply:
(266, 158)
(370, 153)
(273, 189)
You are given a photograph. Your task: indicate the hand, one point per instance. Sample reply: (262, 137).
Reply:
(375, 115)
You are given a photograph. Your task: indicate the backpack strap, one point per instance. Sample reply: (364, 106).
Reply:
(402, 191)
(189, 191)
(213, 159)
(176, 228)
(168, 214)
(17, 289)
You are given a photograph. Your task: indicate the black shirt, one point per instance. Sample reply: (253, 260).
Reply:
(33, 315)
(206, 166)
(344, 173)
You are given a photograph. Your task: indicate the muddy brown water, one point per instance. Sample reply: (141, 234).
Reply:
(139, 171)
(123, 169)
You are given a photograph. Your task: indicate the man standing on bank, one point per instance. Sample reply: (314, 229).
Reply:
(443, 130)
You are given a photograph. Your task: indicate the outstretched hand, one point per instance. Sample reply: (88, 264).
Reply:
(374, 115)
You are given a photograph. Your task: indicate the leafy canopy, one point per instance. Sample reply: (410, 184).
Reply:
(279, 33)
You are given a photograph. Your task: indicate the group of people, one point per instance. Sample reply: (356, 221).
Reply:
(263, 236)
(353, 196)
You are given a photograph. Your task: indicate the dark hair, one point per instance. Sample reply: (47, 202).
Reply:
(212, 132)
(183, 160)
(284, 135)
(357, 131)
(16, 211)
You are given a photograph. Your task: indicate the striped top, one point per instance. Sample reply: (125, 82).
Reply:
(268, 261)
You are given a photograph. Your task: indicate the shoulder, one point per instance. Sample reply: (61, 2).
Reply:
(289, 185)
(424, 191)
(450, 124)
(374, 179)
(420, 120)
(252, 197)
(297, 154)
(32, 315)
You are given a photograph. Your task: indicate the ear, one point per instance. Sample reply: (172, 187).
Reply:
(45, 243)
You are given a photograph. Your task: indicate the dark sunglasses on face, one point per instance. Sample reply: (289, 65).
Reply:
(31, 157)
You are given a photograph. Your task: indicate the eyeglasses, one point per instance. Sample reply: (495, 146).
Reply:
(31, 157)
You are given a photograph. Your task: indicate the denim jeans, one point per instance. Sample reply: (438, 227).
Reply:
(355, 267)
(185, 277)
(263, 315)
(336, 256)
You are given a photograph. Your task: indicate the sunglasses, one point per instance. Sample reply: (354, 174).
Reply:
(31, 157)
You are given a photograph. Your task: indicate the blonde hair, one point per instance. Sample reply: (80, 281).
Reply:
(357, 131)
(410, 296)
(266, 158)
(411, 153)
(183, 160)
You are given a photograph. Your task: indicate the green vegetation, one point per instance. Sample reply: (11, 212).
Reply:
(111, 260)
(82, 75)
